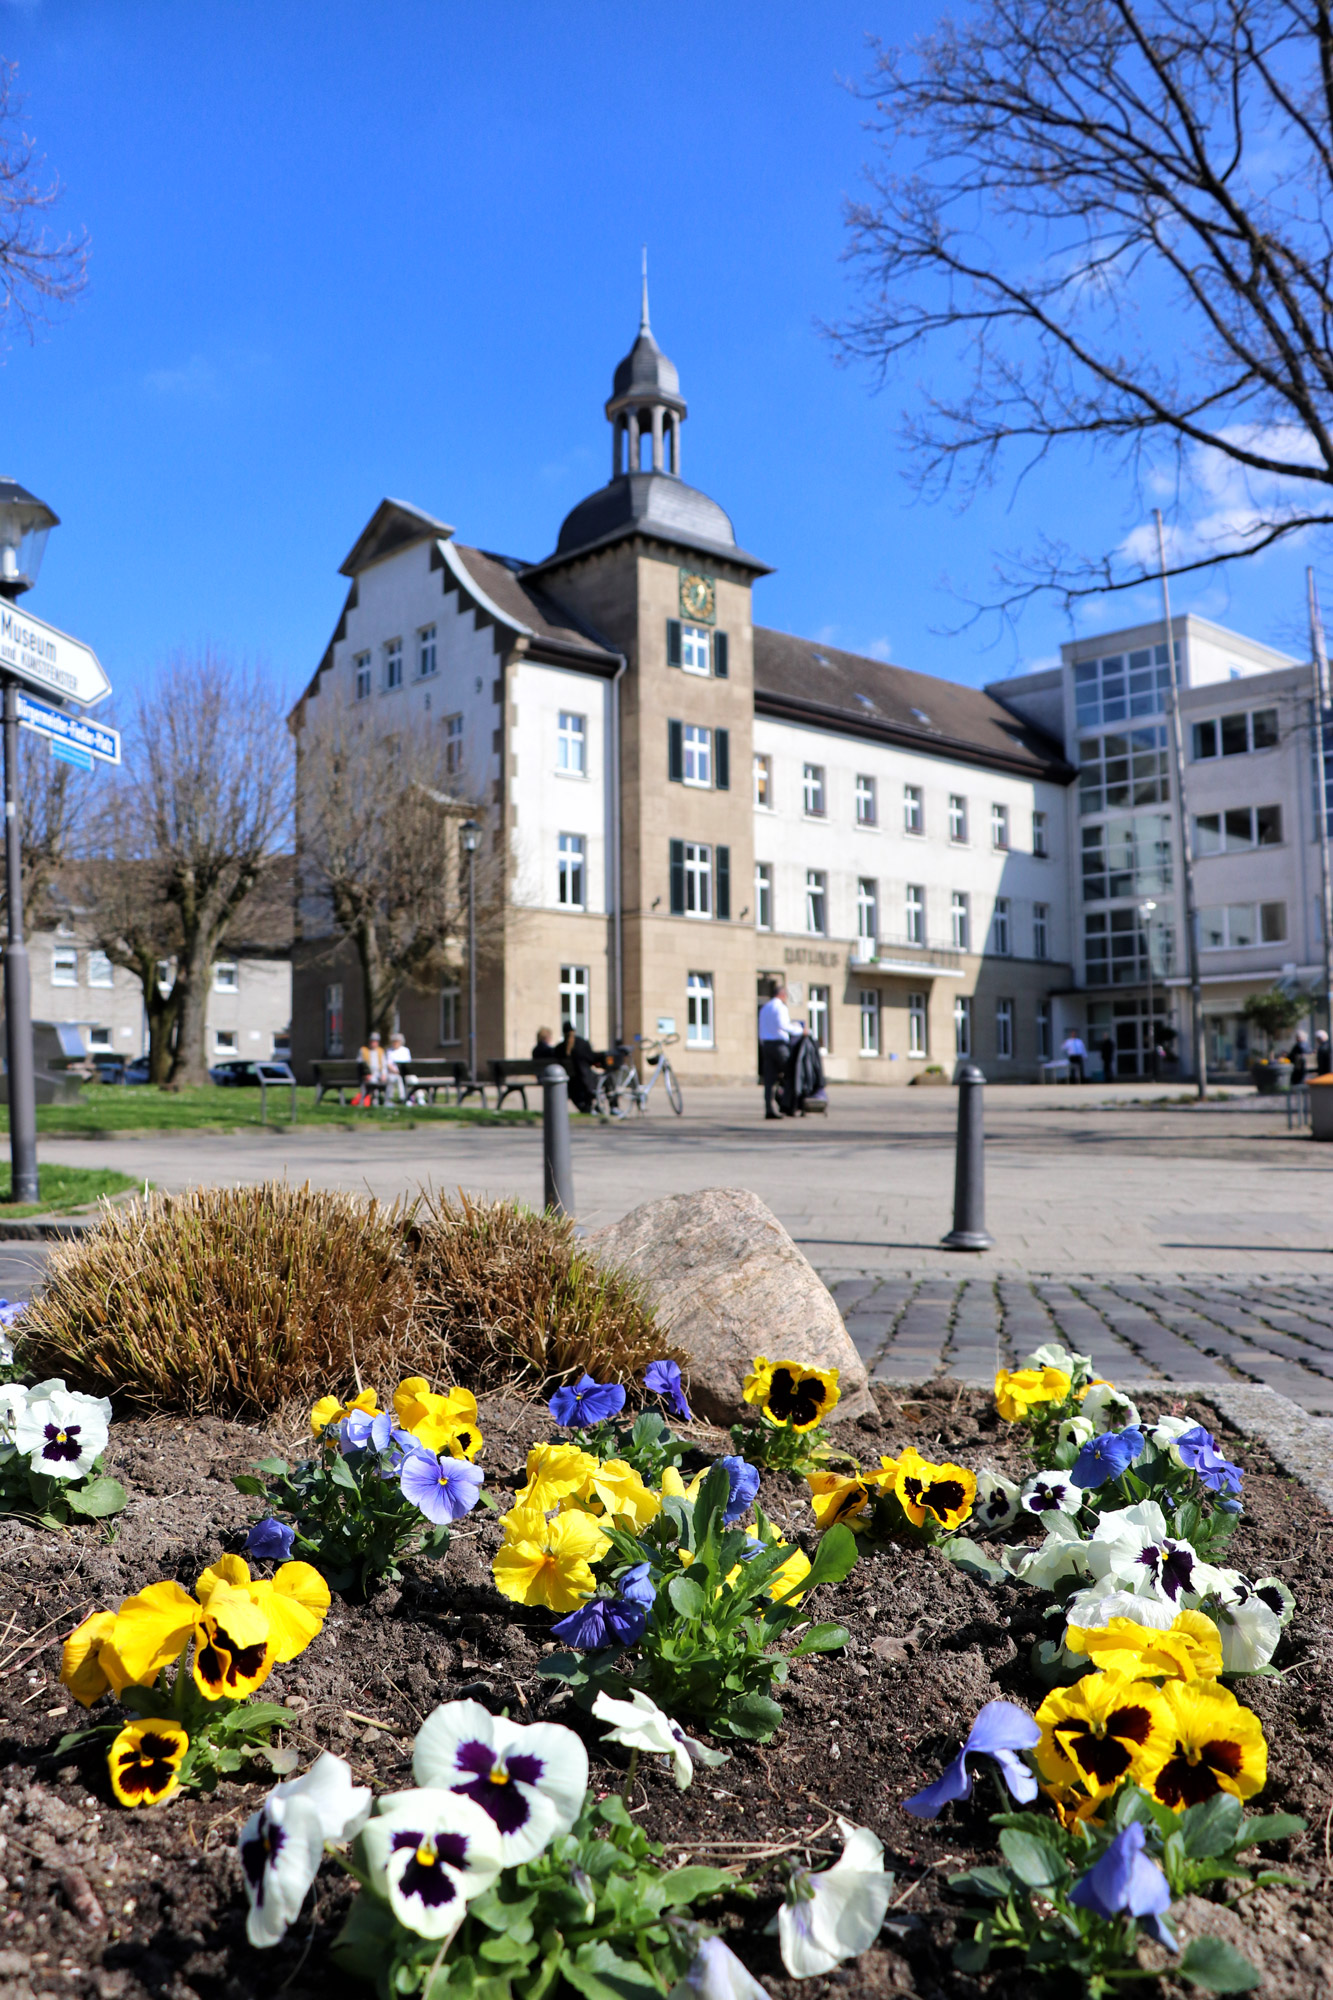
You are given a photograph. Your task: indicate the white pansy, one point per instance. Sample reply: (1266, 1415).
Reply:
(1165, 1433)
(1063, 1554)
(1048, 1493)
(530, 1777)
(715, 1973)
(996, 1502)
(1277, 1597)
(1094, 1607)
(1053, 1355)
(280, 1849)
(1073, 1434)
(639, 1724)
(13, 1403)
(281, 1846)
(62, 1432)
(1250, 1627)
(429, 1854)
(1108, 1409)
(836, 1915)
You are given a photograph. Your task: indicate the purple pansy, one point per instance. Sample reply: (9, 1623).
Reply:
(662, 1378)
(1000, 1731)
(602, 1622)
(636, 1586)
(744, 1482)
(443, 1488)
(587, 1402)
(1126, 1882)
(12, 1309)
(530, 1779)
(1197, 1451)
(1106, 1457)
(1170, 1565)
(270, 1541)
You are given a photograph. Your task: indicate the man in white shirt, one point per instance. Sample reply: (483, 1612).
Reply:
(1075, 1054)
(774, 1037)
(398, 1061)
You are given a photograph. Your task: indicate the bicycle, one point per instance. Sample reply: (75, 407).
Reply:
(624, 1082)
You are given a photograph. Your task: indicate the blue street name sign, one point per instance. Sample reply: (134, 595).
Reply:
(70, 732)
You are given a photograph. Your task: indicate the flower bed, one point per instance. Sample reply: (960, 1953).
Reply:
(105, 1902)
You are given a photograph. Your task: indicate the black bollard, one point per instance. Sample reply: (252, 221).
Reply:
(555, 1140)
(969, 1182)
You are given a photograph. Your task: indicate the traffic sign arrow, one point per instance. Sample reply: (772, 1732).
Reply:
(43, 657)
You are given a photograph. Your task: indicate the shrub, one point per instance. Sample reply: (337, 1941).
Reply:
(505, 1294)
(234, 1300)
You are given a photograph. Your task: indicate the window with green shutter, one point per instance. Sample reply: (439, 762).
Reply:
(720, 667)
(675, 753)
(722, 876)
(722, 759)
(673, 642)
(678, 878)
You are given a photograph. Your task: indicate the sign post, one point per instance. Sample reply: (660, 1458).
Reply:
(38, 655)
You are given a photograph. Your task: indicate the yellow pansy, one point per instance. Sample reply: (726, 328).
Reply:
(295, 1601)
(944, 1492)
(555, 1472)
(621, 1492)
(1189, 1650)
(153, 1628)
(233, 1654)
(673, 1486)
(89, 1663)
(1019, 1390)
(1101, 1730)
(1213, 1744)
(548, 1562)
(789, 1574)
(791, 1394)
(145, 1760)
(444, 1423)
(328, 1410)
(835, 1497)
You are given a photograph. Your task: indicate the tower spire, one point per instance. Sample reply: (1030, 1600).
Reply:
(643, 315)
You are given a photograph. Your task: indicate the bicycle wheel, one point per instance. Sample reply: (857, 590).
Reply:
(672, 1088)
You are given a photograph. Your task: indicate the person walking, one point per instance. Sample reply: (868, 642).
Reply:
(1075, 1054)
(1106, 1050)
(774, 1043)
(1299, 1057)
(1323, 1053)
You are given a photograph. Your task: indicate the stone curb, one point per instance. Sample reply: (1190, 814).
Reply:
(1301, 1444)
(41, 1229)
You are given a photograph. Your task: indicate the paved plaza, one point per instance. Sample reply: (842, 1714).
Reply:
(1165, 1239)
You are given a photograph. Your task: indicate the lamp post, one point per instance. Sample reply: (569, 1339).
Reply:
(1146, 911)
(470, 835)
(25, 523)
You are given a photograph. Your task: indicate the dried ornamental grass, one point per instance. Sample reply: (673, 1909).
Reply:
(234, 1300)
(506, 1294)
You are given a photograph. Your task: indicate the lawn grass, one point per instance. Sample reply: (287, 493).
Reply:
(63, 1188)
(208, 1107)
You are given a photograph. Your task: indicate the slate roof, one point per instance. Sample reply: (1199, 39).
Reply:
(552, 625)
(800, 681)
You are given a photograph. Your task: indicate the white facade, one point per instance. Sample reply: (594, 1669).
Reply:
(559, 789)
(249, 1001)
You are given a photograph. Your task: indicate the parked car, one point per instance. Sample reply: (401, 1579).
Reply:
(240, 1072)
(137, 1071)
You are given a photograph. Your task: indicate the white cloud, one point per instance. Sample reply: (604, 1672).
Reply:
(1225, 504)
(196, 381)
(879, 649)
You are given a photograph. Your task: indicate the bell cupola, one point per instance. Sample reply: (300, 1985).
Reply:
(645, 407)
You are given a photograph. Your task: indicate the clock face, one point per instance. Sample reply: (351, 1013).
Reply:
(698, 595)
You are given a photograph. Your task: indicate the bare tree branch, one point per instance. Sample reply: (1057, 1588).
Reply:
(1114, 227)
(36, 273)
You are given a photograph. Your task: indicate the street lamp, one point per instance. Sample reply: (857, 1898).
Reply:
(1146, 911)
(25, 523)
(470, 835)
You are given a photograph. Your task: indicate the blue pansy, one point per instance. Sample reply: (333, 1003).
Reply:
(588, 1402)
(1198, 1453)
(443, 1488)
(601, 1622)
(1000, 1731)
(636, 1586)
(662, 1378)
(1108, 1456)
(1126, 1882)
(270, 1541)
(744, 1482)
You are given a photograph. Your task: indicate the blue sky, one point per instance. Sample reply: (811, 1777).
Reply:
(341, 251)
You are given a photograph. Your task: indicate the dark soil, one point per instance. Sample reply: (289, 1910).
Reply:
(98, 1901)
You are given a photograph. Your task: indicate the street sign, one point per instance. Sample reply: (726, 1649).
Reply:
(37, 653)
(74, 732)
(69, 753)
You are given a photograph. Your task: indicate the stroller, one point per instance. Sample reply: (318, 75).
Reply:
(803, 1087)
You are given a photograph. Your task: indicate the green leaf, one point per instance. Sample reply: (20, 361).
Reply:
(246, 1482)
(686, 1597)
(826, 1638)
(506, 1950)
(1272, 1826)
(752, 1717)
(564, 1667)
(277, 1467)
(97, 1499)
(692, 1884)
(973, 1954)
(1210, 1962)
(994, 1883)
(1036, 1862)
(598, 1972)
(367, 1941)
(834, 1559)
(340, 1472)
(968, 1556)
(1213, 1827)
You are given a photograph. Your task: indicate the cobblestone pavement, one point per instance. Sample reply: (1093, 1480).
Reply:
(1278, 1334)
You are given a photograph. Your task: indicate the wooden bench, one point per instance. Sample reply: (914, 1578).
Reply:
(341, 1073)
(435, 1073)
(512, 1074)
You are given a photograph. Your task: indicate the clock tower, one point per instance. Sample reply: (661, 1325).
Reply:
(653, 566)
